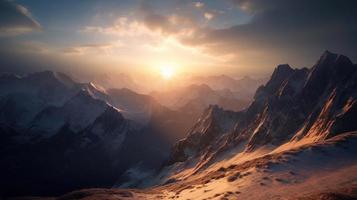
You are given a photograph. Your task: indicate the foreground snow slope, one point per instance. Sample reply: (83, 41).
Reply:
(321, 170)
(298, 172)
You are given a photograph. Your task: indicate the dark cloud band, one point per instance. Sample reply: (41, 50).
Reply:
(16, 19)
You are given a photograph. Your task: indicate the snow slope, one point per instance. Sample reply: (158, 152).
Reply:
(324, 169)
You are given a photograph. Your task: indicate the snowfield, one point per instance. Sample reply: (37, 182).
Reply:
(319, 170)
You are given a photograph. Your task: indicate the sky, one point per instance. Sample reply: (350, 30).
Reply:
(233, 37)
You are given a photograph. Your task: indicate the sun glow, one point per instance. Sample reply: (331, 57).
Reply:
(167, 72)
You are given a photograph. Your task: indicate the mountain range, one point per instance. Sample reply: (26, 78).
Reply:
(53, 128)
(297, 139)
(195, 98)
(242, 87)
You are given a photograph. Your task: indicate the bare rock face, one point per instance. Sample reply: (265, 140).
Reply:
(295, 104)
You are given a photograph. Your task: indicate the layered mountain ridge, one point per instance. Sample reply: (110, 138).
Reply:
(197, 97)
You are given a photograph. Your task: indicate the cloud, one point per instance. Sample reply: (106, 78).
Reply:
(121, 27)
(278, 31)
(152, 24)
(199, 4)
(285, 30)
(86, 49)
(208, 15)
(16, 19)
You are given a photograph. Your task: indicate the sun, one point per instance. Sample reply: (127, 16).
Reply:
(167, 72)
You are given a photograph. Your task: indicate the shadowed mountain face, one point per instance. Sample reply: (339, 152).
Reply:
(58, 135)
